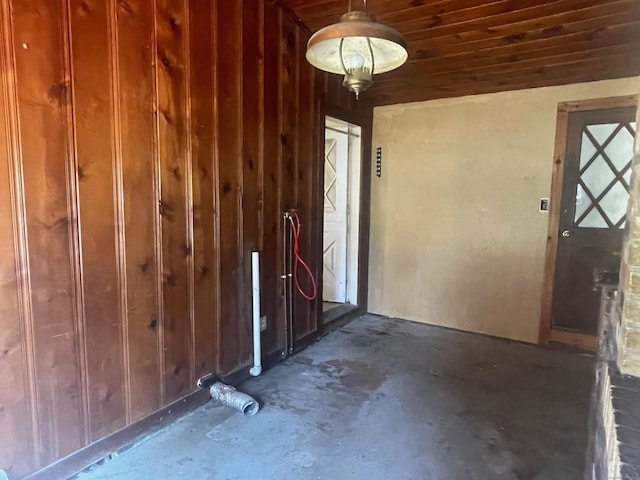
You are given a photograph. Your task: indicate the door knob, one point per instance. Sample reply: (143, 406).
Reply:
(566, 233)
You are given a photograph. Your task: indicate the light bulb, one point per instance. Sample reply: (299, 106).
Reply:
(356, 61)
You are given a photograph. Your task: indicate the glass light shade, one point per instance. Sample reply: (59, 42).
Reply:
(354, 38)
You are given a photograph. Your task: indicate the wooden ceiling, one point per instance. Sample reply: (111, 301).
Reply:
(463, 47)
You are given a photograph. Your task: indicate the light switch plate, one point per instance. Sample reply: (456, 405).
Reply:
(544, 204)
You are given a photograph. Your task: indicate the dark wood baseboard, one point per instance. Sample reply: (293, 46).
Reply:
(122, 439)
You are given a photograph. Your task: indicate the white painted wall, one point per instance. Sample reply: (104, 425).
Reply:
(456, 235)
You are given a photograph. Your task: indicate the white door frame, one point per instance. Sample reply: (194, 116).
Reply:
(352, 136)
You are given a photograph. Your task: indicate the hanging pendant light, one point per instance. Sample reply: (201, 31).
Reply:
(357, 47)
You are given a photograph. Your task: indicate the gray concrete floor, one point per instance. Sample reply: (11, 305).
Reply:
(387, 399)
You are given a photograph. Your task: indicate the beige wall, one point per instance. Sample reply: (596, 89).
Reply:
(456, 235)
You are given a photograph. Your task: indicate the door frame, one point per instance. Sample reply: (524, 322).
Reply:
(339, 218)
(362, 117)
(546, 332)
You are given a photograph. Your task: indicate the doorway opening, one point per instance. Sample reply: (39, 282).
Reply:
(341, 219)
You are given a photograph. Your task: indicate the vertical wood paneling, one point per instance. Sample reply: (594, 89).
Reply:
(73, 213)
(334, 90)
(306, 166)
(228, 59)
(289, 136)
(217, 251)
(43, 95)
(175, 165)
(95, 149)
(289, 110)
(16, 452)
(338, 96)
(271, 259)
(17, 443)
(134, 27)
(160, 142)
(251, 160)
(204, 176)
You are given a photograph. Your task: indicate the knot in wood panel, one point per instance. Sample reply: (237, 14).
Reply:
(58, 92)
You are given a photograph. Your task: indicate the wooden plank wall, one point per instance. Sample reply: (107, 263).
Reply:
(146, 148)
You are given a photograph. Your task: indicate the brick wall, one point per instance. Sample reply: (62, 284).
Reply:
(629, 331)
(614, 450)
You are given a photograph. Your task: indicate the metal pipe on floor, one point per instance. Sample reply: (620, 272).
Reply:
(255, 282)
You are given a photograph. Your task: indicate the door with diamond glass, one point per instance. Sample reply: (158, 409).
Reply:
(334, 255)
(597, 174)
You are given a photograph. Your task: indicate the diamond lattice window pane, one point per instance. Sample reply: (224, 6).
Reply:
(594, 220)
(598, 176)
(614, 203)
(633, 126)
(330, 176)
(620, 149)
(627, 176)
(587, 150)
(602, 131)
(582, 202)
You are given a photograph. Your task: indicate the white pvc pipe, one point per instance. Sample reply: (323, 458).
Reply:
(255, 281)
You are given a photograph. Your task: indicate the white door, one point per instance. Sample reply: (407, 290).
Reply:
(336, 182)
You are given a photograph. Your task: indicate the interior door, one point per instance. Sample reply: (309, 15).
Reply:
(336, 181)
(595, 194)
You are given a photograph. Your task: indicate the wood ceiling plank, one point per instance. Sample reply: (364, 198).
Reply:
(510, 73)
(440, 12)
(472, 84)
(517, 23)
(462, 46)
(388, 97)
(487, 51)
(535, 59)
(322, 13)
(592, 28)
(485, 17)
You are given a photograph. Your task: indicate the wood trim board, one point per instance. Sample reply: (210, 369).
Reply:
(577, 340)
(363, 117)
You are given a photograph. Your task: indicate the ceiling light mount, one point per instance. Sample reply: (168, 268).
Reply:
(357, 47)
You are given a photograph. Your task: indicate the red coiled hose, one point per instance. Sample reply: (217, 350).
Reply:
(295, 226)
